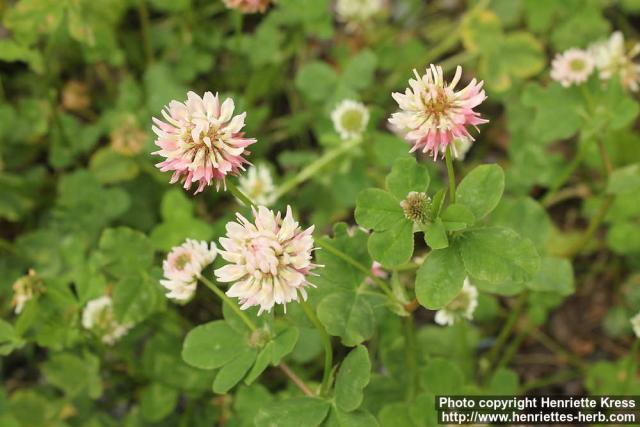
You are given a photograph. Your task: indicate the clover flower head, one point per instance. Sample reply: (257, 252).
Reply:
(24, 289)
(269, 259)
(98, 316)
(572, 67)
(635, 324)
(612, 58)
(417, 207)
(201, 140)
(350, 119)
(433, 114)
(183, 267)
(462, 306)
(354, 12)
(258, 185)
(248, 6)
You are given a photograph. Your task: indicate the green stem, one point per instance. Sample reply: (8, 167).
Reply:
(225, 299)
(606, 161)
(328, 348)
(322, 243)
(513, 347)
(556, 378)
(548, 199)
(451, 173)
(313, 168)
(411, 359)
(457, 59)
(556, 348)
(143, 16)
(506, 328)
(591, 228)
(239, 194)
(461, 325)
(631, 367)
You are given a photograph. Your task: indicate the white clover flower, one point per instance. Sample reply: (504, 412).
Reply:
(24, 289)
(183, 267)
(635, 324)
(257, 184)
(433, 114)
(201, 140)
(269, 260)
(350, 119)
(354, 12)
(572, 67)
(611, 58)
(98, 316)
(462, 306)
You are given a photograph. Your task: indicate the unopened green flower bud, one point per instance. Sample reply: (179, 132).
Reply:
(417, 207)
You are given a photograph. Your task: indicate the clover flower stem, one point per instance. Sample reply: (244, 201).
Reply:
(513, 347)
(548, 199)
(337, 252)
(452, 175)
(411, 357)
(556, 378)
(328, 348)
(506, 330)
(226, 300)
(552, 345)
(461, 326)
(631, 366)
(283, 366)
(316, 166)
(143, 16)
(239, 194)
(606, 161)
(591, 228)
(295, 379)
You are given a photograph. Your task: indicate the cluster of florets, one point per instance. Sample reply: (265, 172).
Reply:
(610, 58)
(183, 267)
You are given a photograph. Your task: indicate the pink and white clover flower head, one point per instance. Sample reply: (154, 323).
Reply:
(201, 140)
(269, 259)
(433, 114)
(183, 267)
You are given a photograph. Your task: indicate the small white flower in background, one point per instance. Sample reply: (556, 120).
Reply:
(183, 267)
(354, 12)
(258, 185)
(611, 58)
(573, 66)
(462, 306)
(98, 316)
(350, 119)
(24, 289)
(269, 259)
(635, 324)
